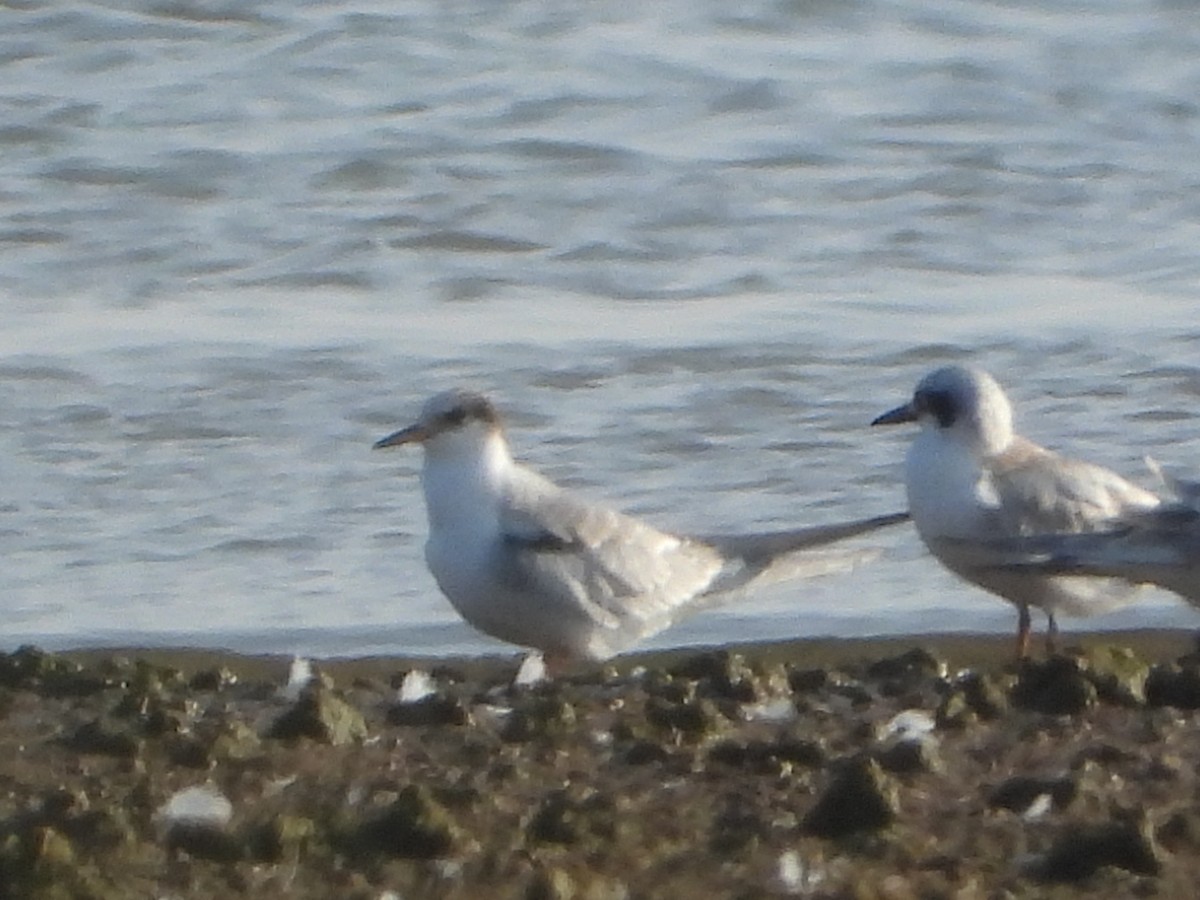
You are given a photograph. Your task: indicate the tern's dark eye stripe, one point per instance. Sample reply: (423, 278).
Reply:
(939, 404)
(469, 409)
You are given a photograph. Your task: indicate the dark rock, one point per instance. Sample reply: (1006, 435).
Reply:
(1056, 686)
(736, 827)
(766, 756)
(643, 752)
(910, 755)
(1173, 685)
(539, 717)
(1019, 792)
(1080, 850)
(320, 716)
(719, 674)
(436, 709)
(798, 751)
(806, 681)
(214, 679)
(555, 821)
(910, 666)
(279, 838)
(1180, 833)
(40, 863)
(413, 826)
(102, 739)
(189, 752)
(983, 695)
(693, 718)
(204, 841)
(856, 693)
(568, 815)
(51, 676)
(22, 666)
(860, 798)
(714, 665)
(1104, 753)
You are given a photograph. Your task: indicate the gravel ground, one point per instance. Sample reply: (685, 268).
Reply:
(919, 768)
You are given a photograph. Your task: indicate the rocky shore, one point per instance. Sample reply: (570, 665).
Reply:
(920, 768)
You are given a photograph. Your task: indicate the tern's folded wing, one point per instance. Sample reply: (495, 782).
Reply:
(624, 573)
(1040, 492)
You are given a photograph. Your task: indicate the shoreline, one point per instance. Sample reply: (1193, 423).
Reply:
(959, 650)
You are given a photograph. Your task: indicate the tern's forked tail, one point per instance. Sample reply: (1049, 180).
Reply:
(772, 556)
(764, 546)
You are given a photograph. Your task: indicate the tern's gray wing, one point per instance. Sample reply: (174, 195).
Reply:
(1041, 492)
(626, 576)
(1032, 491)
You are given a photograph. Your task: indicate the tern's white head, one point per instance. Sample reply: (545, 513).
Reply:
(467, 460)
(453, 423)
(963, 404)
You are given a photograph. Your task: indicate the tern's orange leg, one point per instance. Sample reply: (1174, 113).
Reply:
(1023, 625)
(1051, 634)
(557, 664)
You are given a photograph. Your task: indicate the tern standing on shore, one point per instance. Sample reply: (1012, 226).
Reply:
(972, 481)
(530, 563)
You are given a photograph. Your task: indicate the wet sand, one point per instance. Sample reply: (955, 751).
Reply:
(892, 768)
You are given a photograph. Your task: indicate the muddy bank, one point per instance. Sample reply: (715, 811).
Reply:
(841, 769)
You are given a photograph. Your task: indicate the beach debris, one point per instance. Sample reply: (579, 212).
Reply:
(796, 875)
(531, 671)
(908, 725)
(908, 743)
(416, 686)
(200, 805)
(778, 710)
(1041, 805)
(194, 820)
(300, 674)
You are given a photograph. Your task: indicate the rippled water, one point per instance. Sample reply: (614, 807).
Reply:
(691, 248)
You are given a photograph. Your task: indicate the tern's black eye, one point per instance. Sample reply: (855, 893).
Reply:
(455, 416)
(938, 404)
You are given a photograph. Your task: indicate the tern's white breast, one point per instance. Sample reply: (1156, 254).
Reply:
(948, 493)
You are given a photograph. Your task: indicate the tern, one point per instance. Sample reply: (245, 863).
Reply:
(530, 563)
(973, 482)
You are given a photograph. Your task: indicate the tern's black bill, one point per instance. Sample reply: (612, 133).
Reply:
(897, 416)
(413, 434)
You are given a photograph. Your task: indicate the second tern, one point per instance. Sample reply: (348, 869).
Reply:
(973, 481)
